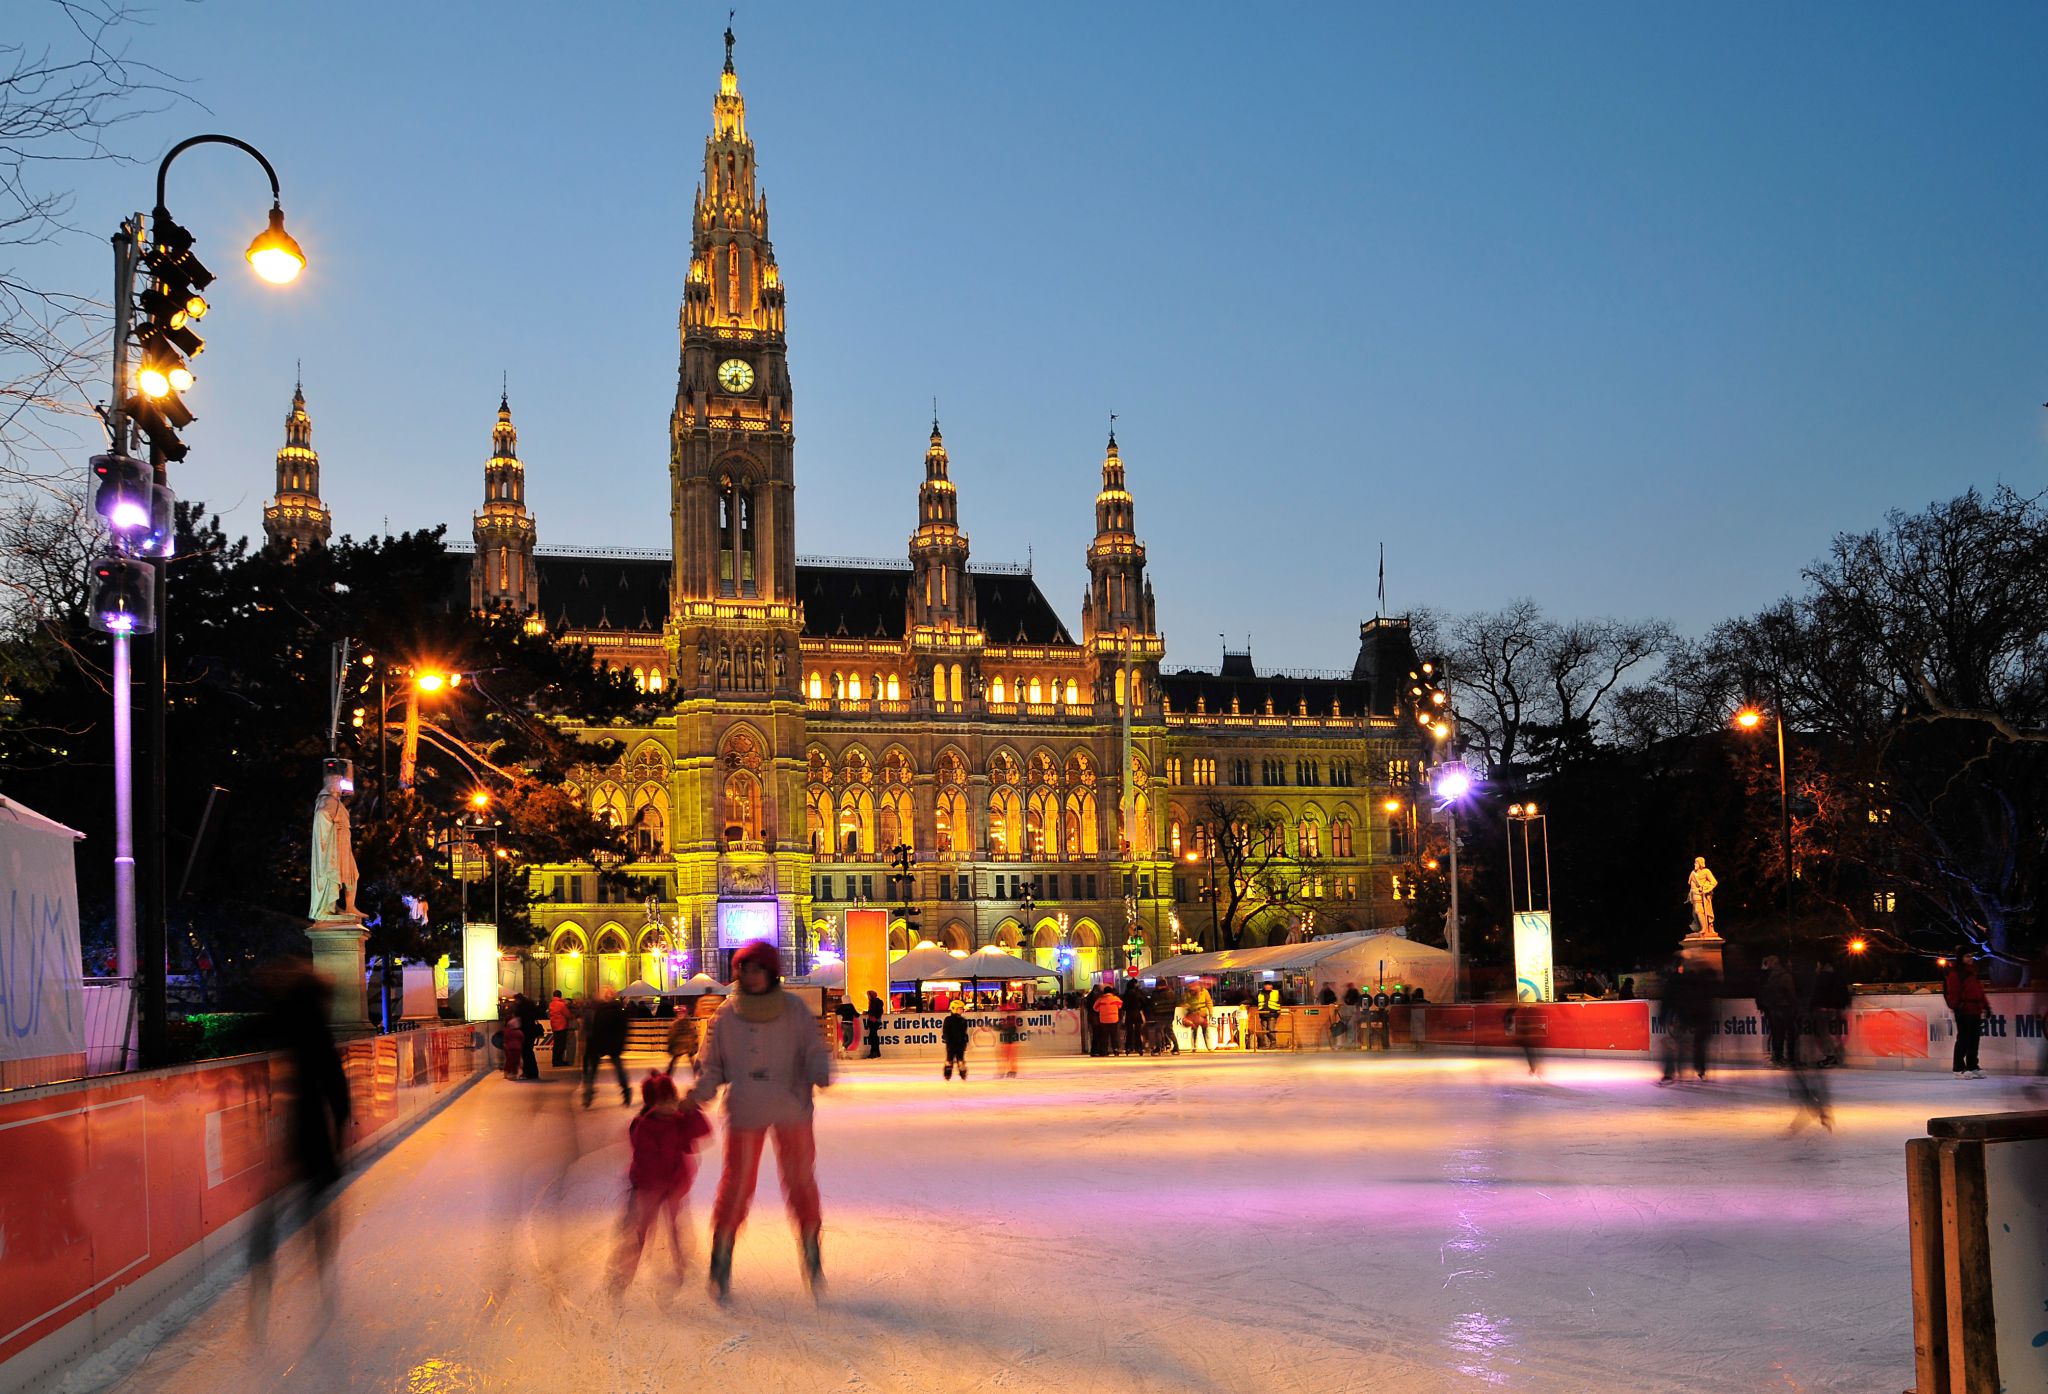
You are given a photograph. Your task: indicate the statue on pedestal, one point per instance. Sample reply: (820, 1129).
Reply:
(1700, 891)
(334, 857)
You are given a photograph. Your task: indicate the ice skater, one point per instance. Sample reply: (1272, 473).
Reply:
(513, 1034)
(871, 1022)
(1009, 1037)
(954, 1034)
(1963, 990)
(316, 1132)
(605, 1039)
(664, 1139)
(765, 1050)
(1688, 1018)
(1807, 1085)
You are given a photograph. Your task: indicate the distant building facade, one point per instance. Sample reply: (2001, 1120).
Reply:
(817, 716)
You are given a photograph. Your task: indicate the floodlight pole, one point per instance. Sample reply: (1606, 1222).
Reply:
(1455, 936)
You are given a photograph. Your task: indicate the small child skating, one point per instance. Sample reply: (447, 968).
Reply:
(954, 1034)
(515, 1045)
(664, 1139)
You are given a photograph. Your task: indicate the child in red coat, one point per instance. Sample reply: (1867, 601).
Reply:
(515, 1043)
(664, 1139)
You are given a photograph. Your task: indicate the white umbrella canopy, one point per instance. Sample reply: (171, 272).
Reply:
(925, 963)
(698, 984)
(641, 990)
(991, 964)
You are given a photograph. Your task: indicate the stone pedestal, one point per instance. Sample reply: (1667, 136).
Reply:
(1701, 949)
(338, 957)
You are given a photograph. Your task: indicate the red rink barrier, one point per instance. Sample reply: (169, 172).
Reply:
(115, 1190)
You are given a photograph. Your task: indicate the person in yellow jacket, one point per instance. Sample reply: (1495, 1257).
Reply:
(1195, 1010)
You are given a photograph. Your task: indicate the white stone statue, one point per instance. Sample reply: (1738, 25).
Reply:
(334, 856)
(1700, 890)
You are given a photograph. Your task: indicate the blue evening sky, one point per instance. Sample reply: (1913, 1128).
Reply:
(1625, 307)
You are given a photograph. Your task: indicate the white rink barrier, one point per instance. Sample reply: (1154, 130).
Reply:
(1895, 1031)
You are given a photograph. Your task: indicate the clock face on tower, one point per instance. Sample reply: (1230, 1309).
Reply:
(736, 375)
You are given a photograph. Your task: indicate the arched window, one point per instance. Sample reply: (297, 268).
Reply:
(639, 677)
(898, 829)
(1119, 688)
(894, 689)
(818, 819)
(817, 687)
(1005, 823)
(995, 689)
(1037, 692)
(949, 819)
(853, 687)
(1041, 824)
(1073, 693)
(1309, 838)
(1137, 688)
(1340, 838)
(654, 680)
(742, 807)
(957, 690)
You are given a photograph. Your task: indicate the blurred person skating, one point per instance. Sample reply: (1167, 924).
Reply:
(1165, 1010)
(849, 1025)
(1807, 1085)
(1196, 1007)
(1688, 1019)
(1964, 992)
(512, 1038)
(1778, 1001)
(1009, 1037)
(1831, 1011)
(529, 1013)
(315, 1126)
(559, 1017)
(953, 1032)
(1269, 1016)
(682, 1040)
(664, 1139)
(1134, 1016)
(871, 1022)
(605, 1039)
(765, 1051)
(1109, 1011)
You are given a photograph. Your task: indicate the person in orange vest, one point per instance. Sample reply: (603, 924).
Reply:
(1109, 1010)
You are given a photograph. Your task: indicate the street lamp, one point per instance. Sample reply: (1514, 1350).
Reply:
(1749, 718)
(1526, 814)
(1210, 893)
(146, 403)
(1453, 784)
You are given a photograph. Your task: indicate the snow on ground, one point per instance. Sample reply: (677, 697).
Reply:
(1221, 1223)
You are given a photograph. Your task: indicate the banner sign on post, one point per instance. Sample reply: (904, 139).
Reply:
(867, 955)
(42, 993)
(479, 972)
(1535, 980)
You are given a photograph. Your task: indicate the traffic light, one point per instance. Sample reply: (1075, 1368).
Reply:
(125, 497)
(123, 597)
(171, 304)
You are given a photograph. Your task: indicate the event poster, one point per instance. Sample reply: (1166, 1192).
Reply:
(741, 922)
(1535, 980)
(42, 995)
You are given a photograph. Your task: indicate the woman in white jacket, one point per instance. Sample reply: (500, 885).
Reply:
(765, 1050)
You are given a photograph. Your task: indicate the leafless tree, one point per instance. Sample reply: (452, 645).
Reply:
(61, 104)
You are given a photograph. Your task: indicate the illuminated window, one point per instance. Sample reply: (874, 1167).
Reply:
(1173, 775)
(1037, 691)
(1884, 902)
(1400, 891)
(853, 687)
(640, 678)
(1073, 692)
(1340, 838)
(817, 685)
(1119, 688)
(894, 691)
(995, 689)
(956, 683)
(654, 680)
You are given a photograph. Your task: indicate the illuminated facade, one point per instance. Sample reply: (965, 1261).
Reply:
(818, 715)
(295, 519)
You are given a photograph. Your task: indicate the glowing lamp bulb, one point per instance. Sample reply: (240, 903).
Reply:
(1453, 784)
(1857, 946)
(274, 255)
(480, 799)
(128, 516)
(153, 383)
(180, 379)
(430, 682)
(117, 622)
(1749, 718)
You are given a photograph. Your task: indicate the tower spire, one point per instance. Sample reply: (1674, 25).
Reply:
(940, 597)
(502, 577)
(728, 38)
(296, 519)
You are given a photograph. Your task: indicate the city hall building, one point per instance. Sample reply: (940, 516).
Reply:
(1055, 792)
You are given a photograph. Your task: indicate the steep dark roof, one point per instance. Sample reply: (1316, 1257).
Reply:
(1187, 688)
(840, 601)
(622, 593)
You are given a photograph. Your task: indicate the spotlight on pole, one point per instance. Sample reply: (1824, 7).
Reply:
(125, 497)
(123, 597)
(1453, 781)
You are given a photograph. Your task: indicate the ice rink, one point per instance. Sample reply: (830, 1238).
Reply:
(1315, 1223)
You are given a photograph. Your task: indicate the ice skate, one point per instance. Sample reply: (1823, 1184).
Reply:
(720, 1282)
(814, 1263)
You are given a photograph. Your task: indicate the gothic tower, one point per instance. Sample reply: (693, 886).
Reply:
(296, 519)
(502, 577)
(939, 593)
(1119, 627)
(734, 619)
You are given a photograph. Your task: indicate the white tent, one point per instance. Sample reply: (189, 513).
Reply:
(641, 990)
(927, 963)
(992, 964)
(828, 973)
(1363, 958)
(698, 984)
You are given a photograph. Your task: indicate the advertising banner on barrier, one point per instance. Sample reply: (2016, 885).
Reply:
(915, 1035)
(42, 989)
(866, 953)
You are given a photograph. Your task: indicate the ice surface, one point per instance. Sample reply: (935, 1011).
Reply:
(1300, 1223)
